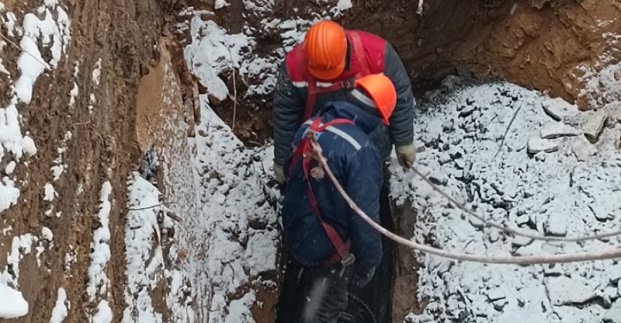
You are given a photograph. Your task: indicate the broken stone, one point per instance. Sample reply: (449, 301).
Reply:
(609, 295)
(537, 145)
(557, 130)
(557, 224)
(476, 222)
(593, 128)
(559, 109)
(494, 236)
(460, 163)
(451, 81)
(448, 126)
(438, 179)
(496, 294)
(614, 111)
(467, 111)
(500, 304)
(583, 149)
(613, 314)
(564, 290)
(521, 241)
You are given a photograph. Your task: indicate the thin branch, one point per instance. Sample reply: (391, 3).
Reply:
(234, 91)
(504, 137)
(520, 260)
(23, 50)
(145, 208)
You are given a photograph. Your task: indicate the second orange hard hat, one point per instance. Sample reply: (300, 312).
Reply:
(382, 91)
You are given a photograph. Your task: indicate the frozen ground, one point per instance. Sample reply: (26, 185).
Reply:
(521, 186)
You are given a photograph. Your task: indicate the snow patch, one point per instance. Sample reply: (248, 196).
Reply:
(60, 312)
(104, 313)
(143, 251)
(49, 193)
(212, 52)
(100, 247)
(12, 303)
(96, 72)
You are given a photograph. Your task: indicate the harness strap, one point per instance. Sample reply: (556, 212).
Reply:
(304, 151)
(314, 90)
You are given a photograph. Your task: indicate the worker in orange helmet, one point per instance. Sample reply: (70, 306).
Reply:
(323, 69)
(332, 252)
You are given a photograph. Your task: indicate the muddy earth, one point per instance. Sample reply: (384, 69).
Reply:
(103, 132)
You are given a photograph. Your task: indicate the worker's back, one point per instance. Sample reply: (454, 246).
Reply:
(355, 162)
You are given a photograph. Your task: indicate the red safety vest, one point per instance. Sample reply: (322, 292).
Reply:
(304, 152)
(367, 57)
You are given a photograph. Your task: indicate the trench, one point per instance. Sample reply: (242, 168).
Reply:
(480, 40)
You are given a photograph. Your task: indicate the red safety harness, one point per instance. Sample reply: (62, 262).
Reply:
(314, 90)
(304, 152)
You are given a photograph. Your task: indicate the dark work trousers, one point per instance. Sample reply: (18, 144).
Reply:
(314, 295)
(376, 297)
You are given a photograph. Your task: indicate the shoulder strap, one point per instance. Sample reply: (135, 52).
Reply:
(359, 53)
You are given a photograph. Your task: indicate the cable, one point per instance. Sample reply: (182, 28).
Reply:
(518, 260)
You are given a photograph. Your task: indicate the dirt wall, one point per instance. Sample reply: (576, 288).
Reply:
(538, 44)
(118, 37)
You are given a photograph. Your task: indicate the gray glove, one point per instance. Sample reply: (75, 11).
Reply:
(362, 276)
(406, 155)
(279, 174)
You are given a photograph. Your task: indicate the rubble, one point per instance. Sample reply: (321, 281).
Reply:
(593, 128)
(537, 145)
(557, 130)
(557, 224)
(613, 315)
(558, 109)
(583, 149)
(564, 291)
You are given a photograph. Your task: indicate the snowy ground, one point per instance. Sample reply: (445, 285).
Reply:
(523, 186)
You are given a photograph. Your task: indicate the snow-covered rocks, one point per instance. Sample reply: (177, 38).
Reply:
(593, 128)
(557, 224)
(537, 145)
(613, 315)
(564, 291)
(558, 109)
(583, 149)
(555, 195)
(557, 130)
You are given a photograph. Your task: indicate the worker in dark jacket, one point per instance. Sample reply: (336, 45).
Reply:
(330, 247)
(322, 69)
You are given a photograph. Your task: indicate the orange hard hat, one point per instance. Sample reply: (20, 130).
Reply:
(325, 46)
(382, 91)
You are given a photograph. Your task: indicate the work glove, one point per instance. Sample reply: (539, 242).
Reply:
(362, 276)
(279, 174)
(406, 155)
